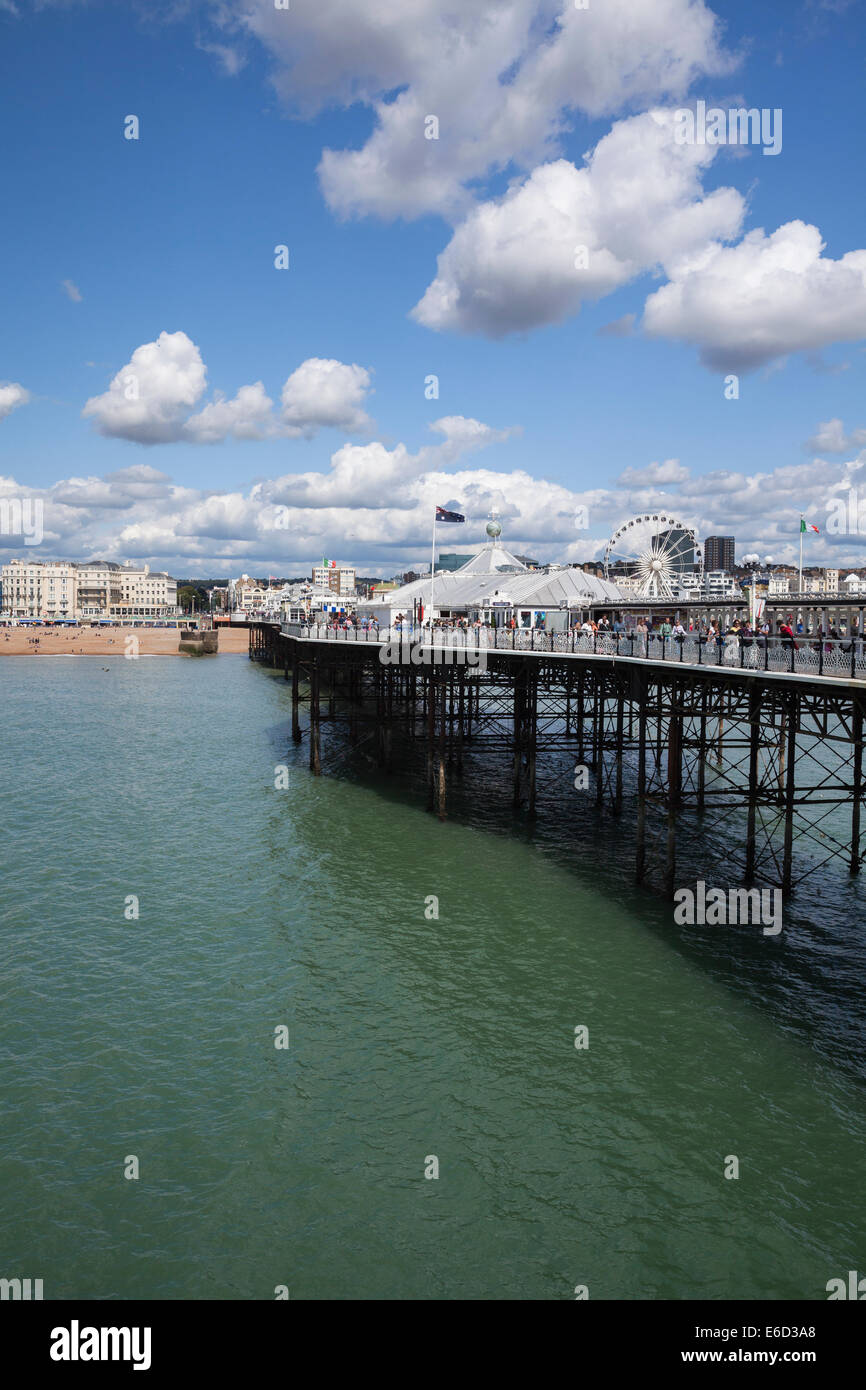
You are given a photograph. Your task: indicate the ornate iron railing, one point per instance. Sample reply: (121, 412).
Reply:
(806, 655)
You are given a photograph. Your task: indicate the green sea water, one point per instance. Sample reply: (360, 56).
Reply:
(410, 1036)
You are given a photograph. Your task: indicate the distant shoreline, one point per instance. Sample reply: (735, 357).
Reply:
(116, 641)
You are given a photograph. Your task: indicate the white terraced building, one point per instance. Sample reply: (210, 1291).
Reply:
(98, 590)
(495, 586)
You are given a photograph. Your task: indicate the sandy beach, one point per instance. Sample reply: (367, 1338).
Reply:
(111, 641)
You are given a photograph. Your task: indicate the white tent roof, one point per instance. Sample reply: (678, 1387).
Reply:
(493, 559)
(525, 588)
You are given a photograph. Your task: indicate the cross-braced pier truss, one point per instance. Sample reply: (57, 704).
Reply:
(770, 758)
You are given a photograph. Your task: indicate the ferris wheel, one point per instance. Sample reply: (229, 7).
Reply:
(650, 554)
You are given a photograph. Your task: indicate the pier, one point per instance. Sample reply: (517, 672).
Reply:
(764, 733)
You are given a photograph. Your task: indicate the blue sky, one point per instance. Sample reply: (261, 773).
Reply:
(174, 233)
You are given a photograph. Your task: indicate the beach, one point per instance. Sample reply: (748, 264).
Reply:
(108, 641)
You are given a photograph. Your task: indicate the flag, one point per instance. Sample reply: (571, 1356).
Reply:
(442, 515)
(810, 527)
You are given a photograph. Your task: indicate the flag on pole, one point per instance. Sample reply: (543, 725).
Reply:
(809, 527)
(443, 515)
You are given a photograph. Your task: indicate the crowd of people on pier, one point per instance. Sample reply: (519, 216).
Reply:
(740, 631)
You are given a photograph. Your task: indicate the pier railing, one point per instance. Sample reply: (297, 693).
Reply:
(806, 655)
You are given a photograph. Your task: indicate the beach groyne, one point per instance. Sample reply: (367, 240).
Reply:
(195, 642)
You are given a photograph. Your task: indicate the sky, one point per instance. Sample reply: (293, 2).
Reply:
(278, 281)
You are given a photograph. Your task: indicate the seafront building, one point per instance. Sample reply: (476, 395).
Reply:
(92, 591)
(251, 597)
(785, 579)
(713, 584)
(337, 579)
(719, 553)
(331, 590)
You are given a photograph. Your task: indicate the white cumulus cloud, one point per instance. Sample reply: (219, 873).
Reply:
(671, 471)
(498, 83)
(12, 394)
(150, 400)
(501, 77)
(567, 234)
(370, 475)
(323, 393)
(832, 439)
(764, 298)
(248, 416)
(373, 506)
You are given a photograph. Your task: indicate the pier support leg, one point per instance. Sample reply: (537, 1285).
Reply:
(315, 747)
(598, 728)
(599, 708)
(791, 741)
(857, 754)
(581, 688)
(380, 716)
(519, 721)
(620, 722)
(702, 751)
(754, 745)
(430, 713)
(532, 732)
(440, 767)
(640, 848)
(354, 699)
(675, 776)
(296, 695)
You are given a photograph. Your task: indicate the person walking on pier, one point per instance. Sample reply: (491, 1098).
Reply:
(747, 637)
(786, 632)
(732, 643)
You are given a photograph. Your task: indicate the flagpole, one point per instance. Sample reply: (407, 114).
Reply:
(432, 572)
(802, 519)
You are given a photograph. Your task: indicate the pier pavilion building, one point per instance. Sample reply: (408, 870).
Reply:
(495, 586)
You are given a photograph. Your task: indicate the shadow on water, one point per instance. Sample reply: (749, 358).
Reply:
(808, 979)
